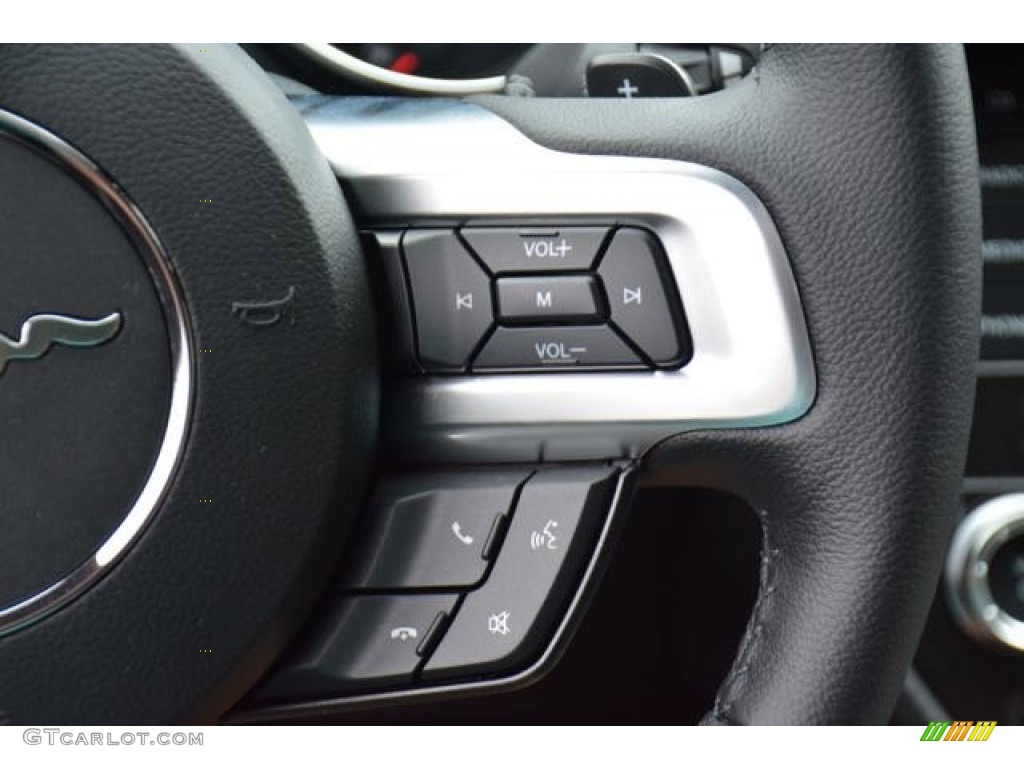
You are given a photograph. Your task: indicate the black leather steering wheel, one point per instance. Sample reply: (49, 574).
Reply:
(863, 157)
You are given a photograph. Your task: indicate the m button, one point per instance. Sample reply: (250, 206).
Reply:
(567, 298)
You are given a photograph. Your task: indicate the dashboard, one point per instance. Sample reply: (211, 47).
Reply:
(440, 60)
(617, 70)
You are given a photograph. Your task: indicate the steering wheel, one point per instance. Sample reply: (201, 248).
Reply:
(192, 391)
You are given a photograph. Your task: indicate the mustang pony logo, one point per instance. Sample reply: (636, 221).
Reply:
(40, 332)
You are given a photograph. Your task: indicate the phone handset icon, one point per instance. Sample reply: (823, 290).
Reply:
(404, 633)
(465, 538)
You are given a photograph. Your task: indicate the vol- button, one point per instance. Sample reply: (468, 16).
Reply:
(557, 348)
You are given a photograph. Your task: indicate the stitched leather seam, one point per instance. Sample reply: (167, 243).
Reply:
(711, 720)
(729, 691)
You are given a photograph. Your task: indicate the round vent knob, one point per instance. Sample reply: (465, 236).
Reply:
(985, 573)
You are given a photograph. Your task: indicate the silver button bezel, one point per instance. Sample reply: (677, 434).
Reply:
(444, 163)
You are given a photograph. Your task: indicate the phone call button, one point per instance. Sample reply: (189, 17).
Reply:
(436, 530)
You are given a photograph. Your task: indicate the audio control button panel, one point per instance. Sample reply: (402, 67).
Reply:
(529, 299)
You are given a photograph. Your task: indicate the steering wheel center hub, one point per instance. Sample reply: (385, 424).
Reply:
(184, 464)
(94, 371)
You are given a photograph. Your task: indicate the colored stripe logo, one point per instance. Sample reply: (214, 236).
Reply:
(959, 730)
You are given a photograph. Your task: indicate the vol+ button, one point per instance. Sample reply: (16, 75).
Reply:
(535, 250)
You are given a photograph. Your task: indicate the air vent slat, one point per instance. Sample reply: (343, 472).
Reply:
(1003, 253)
(1002, 176)
(1002, 326)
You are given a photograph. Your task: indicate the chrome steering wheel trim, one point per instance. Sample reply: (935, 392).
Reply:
(179, 335)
